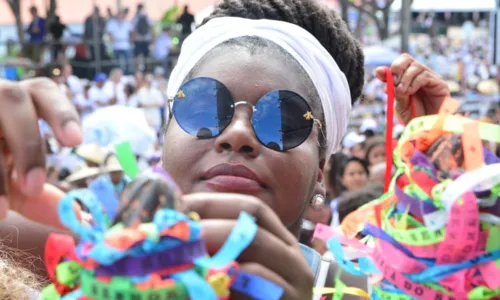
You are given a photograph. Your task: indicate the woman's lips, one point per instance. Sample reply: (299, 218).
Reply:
(232, 178)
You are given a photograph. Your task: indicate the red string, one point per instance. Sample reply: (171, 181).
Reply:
(390, 125)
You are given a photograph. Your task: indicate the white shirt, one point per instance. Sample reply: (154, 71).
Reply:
(74, 84)
(85, 104)
(115, 90)
(153, 99)
(132, 101)
(120, 31)
(98, 95)
(162, 46)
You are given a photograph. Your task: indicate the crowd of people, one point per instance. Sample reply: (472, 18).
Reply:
(135, 43)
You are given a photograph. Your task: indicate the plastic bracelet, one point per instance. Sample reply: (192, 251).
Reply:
(365, 266)
(453, 124)
(118, 289)
(346, 290)
(469, 180)
(196, 286)
(69, 219)
(383, 295)
(239, 239)
(462, 232)
(142, 265)
(438, 272)
(256, 287)
(420, 236)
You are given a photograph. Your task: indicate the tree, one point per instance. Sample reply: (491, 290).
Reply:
(15, 6)
(377, 10)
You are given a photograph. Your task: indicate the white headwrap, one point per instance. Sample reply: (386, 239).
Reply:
(324, 72)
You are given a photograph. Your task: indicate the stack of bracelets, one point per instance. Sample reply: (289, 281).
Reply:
(435, 233)
(151, 250)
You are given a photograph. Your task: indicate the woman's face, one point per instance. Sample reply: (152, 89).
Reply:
(358, 151)
(354, 177)
(286, 179)
(376, 155)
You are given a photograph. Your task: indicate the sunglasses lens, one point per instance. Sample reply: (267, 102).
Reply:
(203, 107)
(281, 120)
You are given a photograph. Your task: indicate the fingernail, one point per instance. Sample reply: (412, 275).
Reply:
(72, 133)
(34, 181)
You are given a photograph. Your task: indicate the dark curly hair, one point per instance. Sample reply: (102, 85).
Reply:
(325, 24)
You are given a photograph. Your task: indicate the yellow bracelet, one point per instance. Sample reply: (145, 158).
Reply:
(347, 290)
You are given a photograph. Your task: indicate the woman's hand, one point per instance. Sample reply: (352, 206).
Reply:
(427, 88)
(22, 156)
(274, 253)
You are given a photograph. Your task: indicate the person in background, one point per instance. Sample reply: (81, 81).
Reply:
(352, 200)
(56, 30)
(143, 35)
(120, 30)
(114, 88)
(151, 100)
(94, 33)
(375, 151)
(83, 104)
(73, 82)
(115, 173)
(131, 95)
(162, 47)
(377, 172)
(368, 128)
(37, 32)
(354, 144)
(354, 174)
(138, 79)
(55, 74)
(333, 184)
(186, 20)
(97, 94)
(159, 81)
(81, 176)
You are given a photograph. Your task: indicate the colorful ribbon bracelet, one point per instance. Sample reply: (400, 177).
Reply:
(434, 233)
(159, 255)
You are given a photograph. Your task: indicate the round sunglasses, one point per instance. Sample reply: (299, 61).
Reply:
(281, 119)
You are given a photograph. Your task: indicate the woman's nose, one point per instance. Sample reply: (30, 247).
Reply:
(239, 136)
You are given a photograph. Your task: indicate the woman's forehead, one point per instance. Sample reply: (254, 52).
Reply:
(251, 76)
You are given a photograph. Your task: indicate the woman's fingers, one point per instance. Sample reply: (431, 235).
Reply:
(399, 67)
(215, 206)
(42, 208)
(408, 78)
(19, 124)
(55, 108)
(265, 249)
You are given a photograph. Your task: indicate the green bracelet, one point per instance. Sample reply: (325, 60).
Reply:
(121, 288)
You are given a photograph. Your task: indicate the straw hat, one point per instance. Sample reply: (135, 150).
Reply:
(91, 152)
(488, 87)
(81, 172)
(113, 165)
